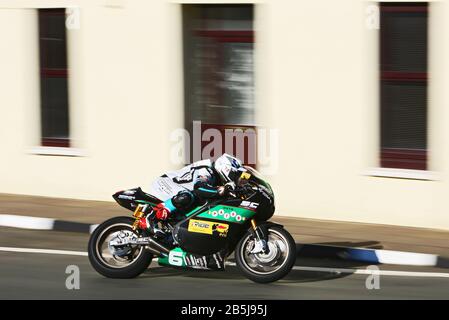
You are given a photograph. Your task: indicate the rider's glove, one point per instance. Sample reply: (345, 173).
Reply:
(224, 190)
(230, 186)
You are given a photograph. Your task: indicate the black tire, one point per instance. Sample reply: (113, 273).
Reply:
(139, 265)
(278, 274)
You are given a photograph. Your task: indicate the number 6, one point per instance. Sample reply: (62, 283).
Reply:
(175, 258)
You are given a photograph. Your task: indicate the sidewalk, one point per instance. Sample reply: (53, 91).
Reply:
(305, 231)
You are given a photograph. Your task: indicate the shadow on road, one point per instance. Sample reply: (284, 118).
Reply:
(332, 249)
(307, 256)
(351, 244)
(232, 273)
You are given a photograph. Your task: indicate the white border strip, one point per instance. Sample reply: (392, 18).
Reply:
(26, 222)
(92, 227)
(406, 258)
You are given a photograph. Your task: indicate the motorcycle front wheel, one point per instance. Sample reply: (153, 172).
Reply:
(123, 262)
(269, 267)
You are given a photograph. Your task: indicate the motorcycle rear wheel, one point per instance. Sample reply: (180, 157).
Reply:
(129, 263)
(265, 268)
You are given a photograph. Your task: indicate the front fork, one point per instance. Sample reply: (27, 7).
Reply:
(261, 239)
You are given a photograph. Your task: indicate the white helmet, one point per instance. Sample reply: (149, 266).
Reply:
(227, 167)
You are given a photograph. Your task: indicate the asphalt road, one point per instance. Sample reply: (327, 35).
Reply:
(42, 276)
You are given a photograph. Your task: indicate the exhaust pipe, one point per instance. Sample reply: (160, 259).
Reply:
(152, 244)
(154, 251)
(157, 247)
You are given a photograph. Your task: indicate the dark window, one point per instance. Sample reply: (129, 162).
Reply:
(403, 88)
(53, 78)
(219, 69)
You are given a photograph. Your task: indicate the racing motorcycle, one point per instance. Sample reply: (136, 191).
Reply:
(204, 238)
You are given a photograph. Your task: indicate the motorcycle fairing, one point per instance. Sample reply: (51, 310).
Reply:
(210, 234)
(131, 197)
(180, 258)
(228, 214)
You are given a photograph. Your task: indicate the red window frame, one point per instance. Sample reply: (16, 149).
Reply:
(52, 73)
(224, 36)
(403, 158)
(244, 36)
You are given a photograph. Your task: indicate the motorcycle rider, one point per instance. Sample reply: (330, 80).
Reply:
(203, 179)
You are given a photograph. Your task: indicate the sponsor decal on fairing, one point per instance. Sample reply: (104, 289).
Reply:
(208, 227)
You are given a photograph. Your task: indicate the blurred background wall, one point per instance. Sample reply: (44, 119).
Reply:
(92, 89)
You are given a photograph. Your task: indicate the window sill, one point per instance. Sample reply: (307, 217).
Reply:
(57, 151)
(402, 174)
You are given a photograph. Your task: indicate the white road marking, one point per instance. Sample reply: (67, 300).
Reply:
(232, 264)
(368, 272)
(380, 272)
(48, 251)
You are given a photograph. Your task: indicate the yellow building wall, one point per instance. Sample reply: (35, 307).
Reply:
(316, 81)
(126, 97)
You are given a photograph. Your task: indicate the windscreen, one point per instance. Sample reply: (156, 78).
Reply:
(258, 178)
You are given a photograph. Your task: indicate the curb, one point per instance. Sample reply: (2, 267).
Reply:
(371, 256)
(35, 223)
